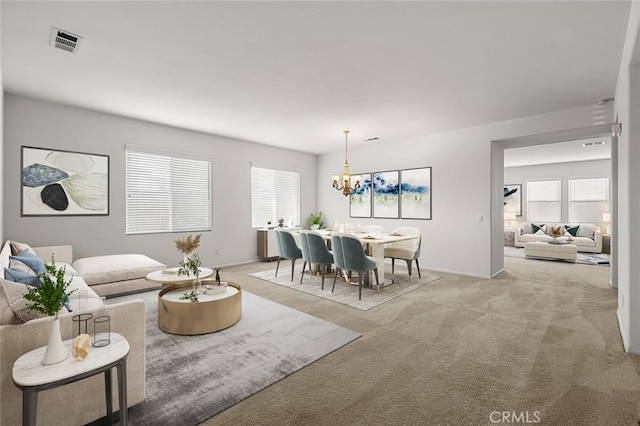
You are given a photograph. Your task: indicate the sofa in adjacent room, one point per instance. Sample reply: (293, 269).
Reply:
(22, 330)
(586, 237)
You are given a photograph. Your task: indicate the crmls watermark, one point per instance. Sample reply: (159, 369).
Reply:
(520, 417)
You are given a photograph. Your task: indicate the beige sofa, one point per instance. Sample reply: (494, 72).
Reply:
(590, 242)
(80, 402)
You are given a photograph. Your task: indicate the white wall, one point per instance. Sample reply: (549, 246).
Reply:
(463, 187)
(2, 171)
(42, 124)
(627, 107)
(556, 171)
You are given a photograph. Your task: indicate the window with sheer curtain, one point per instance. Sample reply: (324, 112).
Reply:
(543, 201)
(275, 194)
(166, 193)
(588, 200)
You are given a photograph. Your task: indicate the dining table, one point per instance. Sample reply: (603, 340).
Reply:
(374, 244)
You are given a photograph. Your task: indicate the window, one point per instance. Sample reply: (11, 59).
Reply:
(166, 193)
(275, 194)
(588, 200)
(543, 201)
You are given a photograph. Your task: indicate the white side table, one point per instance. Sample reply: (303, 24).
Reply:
(31, 376)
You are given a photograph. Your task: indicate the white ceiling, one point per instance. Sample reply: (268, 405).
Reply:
(562, 152)
(295, 74)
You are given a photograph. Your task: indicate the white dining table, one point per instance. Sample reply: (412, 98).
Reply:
(374, 247)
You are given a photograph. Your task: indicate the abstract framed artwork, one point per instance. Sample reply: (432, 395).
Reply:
(63, 183)
(360, 199)
(513, 199)
(386, 192)
(416, 193)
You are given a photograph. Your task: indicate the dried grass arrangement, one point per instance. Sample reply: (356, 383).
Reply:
(188, 244)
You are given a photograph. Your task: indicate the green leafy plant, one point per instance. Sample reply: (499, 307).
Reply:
(191, 296)
(190, 266)
(315, 219)
(49, 297)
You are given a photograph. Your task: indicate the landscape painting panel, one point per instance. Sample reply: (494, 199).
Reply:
(513, 199)
(360, 199)
(416, 193)
(64, 183)
(386, 192)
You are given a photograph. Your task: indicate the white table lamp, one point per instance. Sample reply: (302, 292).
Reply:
(606, 218)
(509, 217)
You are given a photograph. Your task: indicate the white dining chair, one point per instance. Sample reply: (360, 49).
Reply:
(407, 250)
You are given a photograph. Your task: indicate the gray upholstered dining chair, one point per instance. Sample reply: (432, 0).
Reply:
(356, 260)
(304, 246)
(320, 254)
(338, 257)
(287, 249)
(408, 250)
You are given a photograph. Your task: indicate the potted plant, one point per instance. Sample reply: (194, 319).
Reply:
(48, 298)
(315, 221)
(191, 266)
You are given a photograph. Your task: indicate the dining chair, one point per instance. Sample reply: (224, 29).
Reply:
(356, 260)
(338, 257)
(288, 249)
(407, 250)
(304, 246)
(320, 254)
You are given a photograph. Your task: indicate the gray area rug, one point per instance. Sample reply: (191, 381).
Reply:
(583, 258)
(192, 378)
(344, 293)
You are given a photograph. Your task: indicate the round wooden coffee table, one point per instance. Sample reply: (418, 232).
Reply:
(213, 312)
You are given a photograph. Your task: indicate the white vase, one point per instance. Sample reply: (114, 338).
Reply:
(55, 352)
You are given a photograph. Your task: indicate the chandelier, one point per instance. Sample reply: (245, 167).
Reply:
(344, 184)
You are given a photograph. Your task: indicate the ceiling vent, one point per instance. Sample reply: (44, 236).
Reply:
(64, 40)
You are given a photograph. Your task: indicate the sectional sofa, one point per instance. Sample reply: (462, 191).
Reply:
(587, 238)
(81, 402)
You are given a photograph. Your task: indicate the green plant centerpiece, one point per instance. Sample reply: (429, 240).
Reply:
(190, 264)
(49, 297)
(315, 221)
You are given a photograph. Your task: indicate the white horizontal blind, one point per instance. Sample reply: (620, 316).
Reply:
(543, 201)
(588, 200)
(167, 194)
(275, 194)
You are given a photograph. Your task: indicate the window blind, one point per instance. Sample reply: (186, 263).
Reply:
(167, 194)
(543, 201)
(275, 194)
(588, 200)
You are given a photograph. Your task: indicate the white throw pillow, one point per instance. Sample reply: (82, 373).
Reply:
(4, 255)
(525, 229)
(587, 231)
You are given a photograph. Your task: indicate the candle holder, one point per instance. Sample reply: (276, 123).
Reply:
(82, 320)
(101, 331)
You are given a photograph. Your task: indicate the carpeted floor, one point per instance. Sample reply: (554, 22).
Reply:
(535, 339)
(347, 294)
(191, 378)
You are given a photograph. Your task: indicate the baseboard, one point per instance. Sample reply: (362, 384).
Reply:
(463, 274)
(497, 273)
(623, 336)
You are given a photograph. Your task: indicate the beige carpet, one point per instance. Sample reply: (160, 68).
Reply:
(344, 293)
(536, 339)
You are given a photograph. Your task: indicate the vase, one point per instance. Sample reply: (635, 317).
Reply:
(55, 352)
(197, 286)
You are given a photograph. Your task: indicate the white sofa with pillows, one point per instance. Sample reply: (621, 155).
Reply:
(587, 238)
(22, 330)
